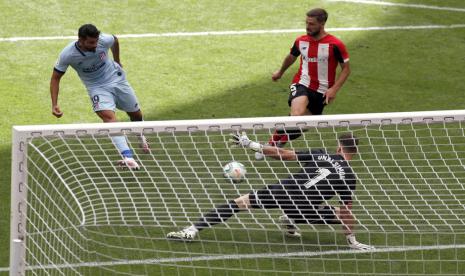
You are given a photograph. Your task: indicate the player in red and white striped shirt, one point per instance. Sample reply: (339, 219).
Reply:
(315, 84)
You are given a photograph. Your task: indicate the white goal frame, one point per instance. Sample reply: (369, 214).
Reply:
(22, 134)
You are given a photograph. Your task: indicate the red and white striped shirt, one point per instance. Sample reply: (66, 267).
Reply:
(318, 61)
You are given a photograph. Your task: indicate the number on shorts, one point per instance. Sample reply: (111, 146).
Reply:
(95, 101)
(293, 89)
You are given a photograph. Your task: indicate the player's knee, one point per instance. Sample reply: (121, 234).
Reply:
(136, 116)
(299, 112)
(107, 117)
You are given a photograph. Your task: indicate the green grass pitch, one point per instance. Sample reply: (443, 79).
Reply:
(228, 76)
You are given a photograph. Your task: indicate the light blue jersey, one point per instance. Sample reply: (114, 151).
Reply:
(104, 79)
(95, 69)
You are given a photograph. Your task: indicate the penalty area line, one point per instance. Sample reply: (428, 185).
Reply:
(418, 6)
(247, 256)
(245, 32)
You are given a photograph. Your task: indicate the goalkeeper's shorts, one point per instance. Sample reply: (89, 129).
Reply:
(296, 206)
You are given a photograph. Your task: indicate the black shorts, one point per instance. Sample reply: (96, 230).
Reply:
(316, 100)
(294, 203)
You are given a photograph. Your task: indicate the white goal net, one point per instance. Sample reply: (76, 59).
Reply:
(76, 212)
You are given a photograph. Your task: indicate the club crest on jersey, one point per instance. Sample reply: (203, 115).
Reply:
(102, 55)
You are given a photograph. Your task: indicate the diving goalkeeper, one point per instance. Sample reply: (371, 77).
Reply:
(301, 196)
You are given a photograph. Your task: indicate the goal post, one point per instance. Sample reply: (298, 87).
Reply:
(74, 211)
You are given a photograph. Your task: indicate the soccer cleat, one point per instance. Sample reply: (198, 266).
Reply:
(144, 145)
(289, 228)
(183, 235)
(130, 163)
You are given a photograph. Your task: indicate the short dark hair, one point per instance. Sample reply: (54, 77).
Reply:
(320, 14)
(88, 30)
(348, 142)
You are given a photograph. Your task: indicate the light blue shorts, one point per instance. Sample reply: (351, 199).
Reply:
(115, 95)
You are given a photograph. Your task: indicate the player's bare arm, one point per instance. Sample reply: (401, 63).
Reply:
(288, 61)
(330, 94)
(54, 90)
(241, 140)
(348, 224)
(347, 218)
(115, 51)
(279, 153)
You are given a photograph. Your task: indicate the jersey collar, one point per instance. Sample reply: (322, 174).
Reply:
(77, 48)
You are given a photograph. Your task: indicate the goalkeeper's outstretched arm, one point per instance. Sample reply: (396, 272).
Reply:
(277, 153)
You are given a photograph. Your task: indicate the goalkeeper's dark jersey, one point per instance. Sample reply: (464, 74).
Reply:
(322, 177)
(302, 194)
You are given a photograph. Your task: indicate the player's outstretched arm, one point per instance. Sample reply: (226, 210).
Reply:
(278, 153)
(54, 90)
(348, 223)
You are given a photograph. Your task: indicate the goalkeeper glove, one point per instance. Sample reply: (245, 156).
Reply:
(354, 244)
(242, 140)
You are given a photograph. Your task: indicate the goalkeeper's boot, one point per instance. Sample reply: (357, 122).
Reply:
(289, 228)
(144, 145)
(183, 235)
(130, 163)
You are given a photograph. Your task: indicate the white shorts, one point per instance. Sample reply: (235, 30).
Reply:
(115, 95)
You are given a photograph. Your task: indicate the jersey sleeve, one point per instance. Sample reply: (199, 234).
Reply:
(340, 51)
(304, 155)
(107, 40)
(309, 155)
(295, 49)
(62, 63)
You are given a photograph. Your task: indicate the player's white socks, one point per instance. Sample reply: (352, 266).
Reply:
(122, 145)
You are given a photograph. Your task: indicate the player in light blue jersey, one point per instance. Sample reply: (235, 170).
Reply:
(105, 81)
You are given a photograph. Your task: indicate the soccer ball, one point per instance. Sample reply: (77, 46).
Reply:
(234, 171)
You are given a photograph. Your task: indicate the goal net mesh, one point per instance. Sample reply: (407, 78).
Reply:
(86, 215)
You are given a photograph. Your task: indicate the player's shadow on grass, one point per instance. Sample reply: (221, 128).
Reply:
(263, 98)
(248, 100)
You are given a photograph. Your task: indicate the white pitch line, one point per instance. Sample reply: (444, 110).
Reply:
(420, 6)
(246, 256)
(248, 32)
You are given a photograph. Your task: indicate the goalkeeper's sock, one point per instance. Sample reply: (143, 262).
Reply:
(218, 215)
(122, 145)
